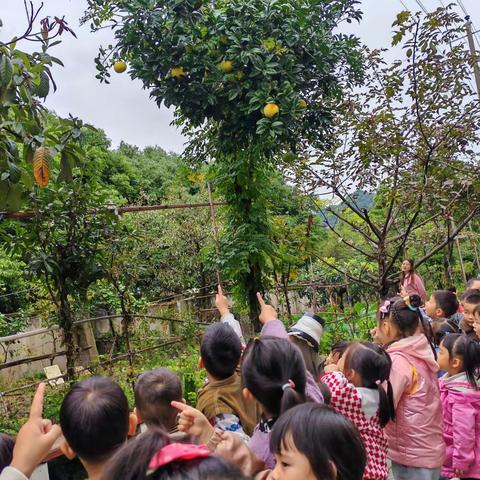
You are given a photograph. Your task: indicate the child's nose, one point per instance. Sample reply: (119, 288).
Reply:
(275, 474)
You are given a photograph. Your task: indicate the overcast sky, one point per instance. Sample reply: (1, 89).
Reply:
(123, 108)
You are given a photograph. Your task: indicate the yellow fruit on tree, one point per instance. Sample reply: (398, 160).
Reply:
(240, 75)
(177, 72)
(119, 66)
(302, 103)
(226, 66)
(270, 110)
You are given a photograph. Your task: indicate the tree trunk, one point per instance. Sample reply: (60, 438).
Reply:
(382, 282)
(285, 294)
(126, 322)
(66, 323)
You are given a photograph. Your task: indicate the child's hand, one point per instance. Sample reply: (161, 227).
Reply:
(221, 302)
(267, 312)
(193, 422)
(331, 367)
(35, 438)
(459, 473)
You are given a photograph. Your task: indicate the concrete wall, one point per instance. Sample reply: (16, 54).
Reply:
(87, 334)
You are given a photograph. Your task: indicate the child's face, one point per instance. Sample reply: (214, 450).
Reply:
(431, 307)
(451, 364)
(476, 323)
(468, 309)
(385, 331)
(291, 464)
(443, 358)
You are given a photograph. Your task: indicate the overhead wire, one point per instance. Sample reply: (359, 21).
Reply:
(469, 18)
(422, 6)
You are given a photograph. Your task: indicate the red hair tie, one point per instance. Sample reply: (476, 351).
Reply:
(177, 451)
(289, 384)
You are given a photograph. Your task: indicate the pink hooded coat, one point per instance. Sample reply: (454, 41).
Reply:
(415, 436)
(461, 423)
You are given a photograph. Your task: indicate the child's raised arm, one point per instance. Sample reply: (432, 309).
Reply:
(193, 422)
(221, 302)
(34, 440)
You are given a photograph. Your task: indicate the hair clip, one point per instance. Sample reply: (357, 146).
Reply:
(289, 384)
(406, 300)
(177, 451)
(385, 308)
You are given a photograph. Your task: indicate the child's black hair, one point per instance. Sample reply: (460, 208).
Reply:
(406, 316)
(132, 461)
(6, 450)
(441, 328)
(325, 437)
(94, 417)
(471, 296)
(459, 345)
(340, 347)
(447, 301)
(221, 350)
(373, 364)
(154, 392)
(274, 371)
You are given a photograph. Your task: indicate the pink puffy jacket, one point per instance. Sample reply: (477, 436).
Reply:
(461, 426)
(415, 436)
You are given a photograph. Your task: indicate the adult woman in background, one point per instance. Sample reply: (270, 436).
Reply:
(410, 281)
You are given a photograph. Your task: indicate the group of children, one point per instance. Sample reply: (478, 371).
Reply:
(271, 410)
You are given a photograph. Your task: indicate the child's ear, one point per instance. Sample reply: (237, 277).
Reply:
(439, 313)
(200, 363)
(247, 395)
(132, 425)
(350, 374)
(137, 414)
(457, 362)
(66, 450)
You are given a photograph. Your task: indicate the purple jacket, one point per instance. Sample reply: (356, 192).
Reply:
(259, 443)
(461, 426)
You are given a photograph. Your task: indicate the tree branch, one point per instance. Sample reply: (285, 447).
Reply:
(358, 280)
(450, 237)
(359, 250)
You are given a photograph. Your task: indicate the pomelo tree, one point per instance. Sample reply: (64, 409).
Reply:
(250, 81)
(32, 141)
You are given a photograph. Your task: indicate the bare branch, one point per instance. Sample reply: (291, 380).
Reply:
(346, 242)
(450, 237)
(359, 280)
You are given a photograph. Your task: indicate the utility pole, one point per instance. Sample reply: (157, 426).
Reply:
(476, 72)
(471, 44)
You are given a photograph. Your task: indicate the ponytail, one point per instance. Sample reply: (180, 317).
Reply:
(274, 371)
(460, 345)
(428, 332)
(373, 365)
(471, 361)
(290, 398)
(386, 411)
